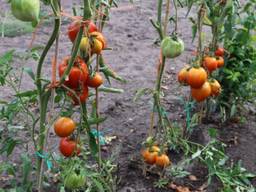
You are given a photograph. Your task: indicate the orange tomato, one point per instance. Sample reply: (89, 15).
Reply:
(64, 126)
(149, 157)
(201, 93)
(210, 63)
(215, 87)
(196, 77)
(162, 160)
(95, 81)
(220, 62)
(220, 52)
(182, 75)
(99, 36)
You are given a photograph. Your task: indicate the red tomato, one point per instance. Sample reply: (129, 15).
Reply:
(78, 74)
(220, 52)
(82, 94)
(95, 81)
(68, 147)
(74, 27)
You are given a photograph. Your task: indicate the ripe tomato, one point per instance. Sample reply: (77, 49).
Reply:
(162, 160)
(182, 75)
(201, 93)
(99, 36)
(172, 47)
(196, 77)
(149, 156)
(210, 63)
(64, 126)
(74, 180)
(220, 62)
(74, 28)
(78, 74)
(215, 87)
(68, 147)
(95, 81)
(82, 94)
(220, 52)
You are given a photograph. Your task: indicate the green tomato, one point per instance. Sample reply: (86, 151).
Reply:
(74, 181)
(172, 47)
(26, 10)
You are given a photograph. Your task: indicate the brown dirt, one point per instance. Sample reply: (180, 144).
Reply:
(134, 57)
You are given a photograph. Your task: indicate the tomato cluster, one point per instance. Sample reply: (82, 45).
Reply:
(152, 155)
(197, 77)
(79, 77)
(64, 127)
(93, 42)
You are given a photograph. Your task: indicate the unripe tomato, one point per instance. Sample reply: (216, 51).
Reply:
(82, 94)
(97, 46)
(85, 44)
(220, 52)
(74, 28)
(68, 147)
(74, 181)
(215, 87)
(78, 74)
(95, 81)
(182, 75)
(210, 63)
(220, 62)
(64, 126)
(172, 47)
(99, 36)
(162, 160)
(26, 10)
(202, 93)
(196, 77)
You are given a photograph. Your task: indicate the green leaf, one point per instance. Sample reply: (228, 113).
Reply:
(98, 185)
(141, 92)
(233, 110)
(27, 93)
(212, 132)
(29, 71)
(93, 121)
(110, 90)
(197, 154)
(93, 144)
